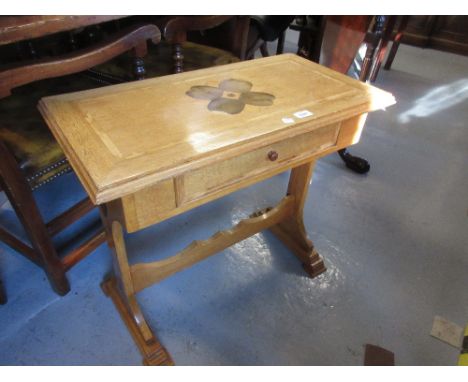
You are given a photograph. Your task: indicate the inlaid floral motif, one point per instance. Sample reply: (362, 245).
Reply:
(231, 96)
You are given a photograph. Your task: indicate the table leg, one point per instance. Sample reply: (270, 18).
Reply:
(120, 289)
(285, 220)
(291, 231)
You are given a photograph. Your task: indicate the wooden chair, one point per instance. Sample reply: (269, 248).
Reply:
(238, 37)
(264, 29)
(188, 43)
(30, 155)
(194, 47)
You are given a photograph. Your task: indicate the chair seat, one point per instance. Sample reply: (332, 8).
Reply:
(26, 134)
(159, 60)
(197, 56)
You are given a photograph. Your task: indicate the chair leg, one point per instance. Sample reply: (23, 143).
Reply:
(21, 198)
(396, 42)
(264, 49)
(357, 164)
(386, 36)
(178, 58)
(139, 71)
(280, 46)
(3, 297)
(253, 49)
(373, 45)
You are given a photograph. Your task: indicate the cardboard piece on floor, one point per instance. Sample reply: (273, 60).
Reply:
(377, 356)
(447, 331)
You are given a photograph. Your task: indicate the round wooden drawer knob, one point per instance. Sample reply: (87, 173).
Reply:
(272, 155)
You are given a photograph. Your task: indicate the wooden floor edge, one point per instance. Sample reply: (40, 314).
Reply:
(154, 354)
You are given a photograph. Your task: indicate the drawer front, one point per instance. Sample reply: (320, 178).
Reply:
(176, 195)
(225, 174)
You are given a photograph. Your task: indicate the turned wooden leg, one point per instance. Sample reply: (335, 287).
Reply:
(386, 35)
(139, 71)
(120, 289)
(178, 58)
(372, 46)
(291, 231)
(366, 62)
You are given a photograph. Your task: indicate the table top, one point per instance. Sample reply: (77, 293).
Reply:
(122, 138)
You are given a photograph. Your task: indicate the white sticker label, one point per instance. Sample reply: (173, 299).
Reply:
(287, 120)
(303, 113)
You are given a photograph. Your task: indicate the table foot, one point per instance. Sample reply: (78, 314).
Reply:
(154, 354)
(316, 266)
(293, 235)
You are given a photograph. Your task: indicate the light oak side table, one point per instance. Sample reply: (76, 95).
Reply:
(149, 150)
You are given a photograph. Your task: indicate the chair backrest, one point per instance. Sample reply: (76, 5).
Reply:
(231, 31)
(18, 28)
(174, 29)
(133, 37)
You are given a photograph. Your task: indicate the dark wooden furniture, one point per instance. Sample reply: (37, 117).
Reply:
(310, 30)
(382, 34)
(337, 39)
(230, 40)
(334, 41)
(377, 39)
(30, 155)
(264, 29)
(396, 39)
(20, 28)
(443, 32)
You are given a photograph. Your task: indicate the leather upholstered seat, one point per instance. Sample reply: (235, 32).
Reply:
(25, 133)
